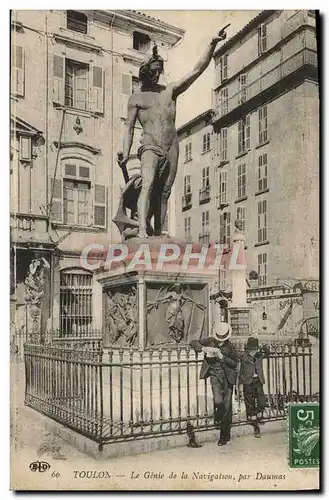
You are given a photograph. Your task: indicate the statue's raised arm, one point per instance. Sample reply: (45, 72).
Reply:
(185, 82)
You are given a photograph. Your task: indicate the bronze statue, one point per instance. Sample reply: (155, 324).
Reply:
(155, 108)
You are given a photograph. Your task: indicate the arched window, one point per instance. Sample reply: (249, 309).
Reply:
(77, 200)
(75, 303)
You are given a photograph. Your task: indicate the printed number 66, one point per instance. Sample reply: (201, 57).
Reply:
(309, 414)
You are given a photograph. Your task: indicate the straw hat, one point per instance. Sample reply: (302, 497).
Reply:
(221, 331)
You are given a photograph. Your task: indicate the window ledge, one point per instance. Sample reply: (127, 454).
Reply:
(223, 162)
(261, 243)
(72, 33)
(187, 161)
(68, 38)
(222, 206)
(243, 153)
(260, 145)
(243, 198)
(262, 192)
(205, 152)
(77, 228)
(77, 111)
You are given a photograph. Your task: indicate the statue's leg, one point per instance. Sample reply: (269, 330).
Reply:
(173, 161)
(149, 163)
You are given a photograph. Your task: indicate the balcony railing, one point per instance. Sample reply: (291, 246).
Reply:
(204, 238)
(204, 194)
(186, 201)
(285, 68)
(28, 222)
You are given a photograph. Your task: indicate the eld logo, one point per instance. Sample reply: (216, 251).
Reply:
(39, 466)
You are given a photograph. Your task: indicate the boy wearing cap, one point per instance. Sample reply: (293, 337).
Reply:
(251, 376)
(219, 364)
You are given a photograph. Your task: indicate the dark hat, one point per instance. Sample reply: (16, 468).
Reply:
(251, 344)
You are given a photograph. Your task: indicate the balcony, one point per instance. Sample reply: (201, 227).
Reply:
(301, 18)
(186, 201)
(204, 195)
(305, 57)
(221, 201)
(29, 228)
(204, 237)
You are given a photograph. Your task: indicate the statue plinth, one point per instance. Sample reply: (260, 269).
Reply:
(149, 303)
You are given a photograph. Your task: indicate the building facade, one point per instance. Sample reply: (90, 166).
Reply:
(262, 162)
(72, 73)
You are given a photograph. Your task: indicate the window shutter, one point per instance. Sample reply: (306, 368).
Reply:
(19, 70)
(58, 79)
(100, 205)
(56, 209)
(97, 89)
(126, 91)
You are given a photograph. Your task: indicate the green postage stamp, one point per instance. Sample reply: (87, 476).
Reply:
(304, 435)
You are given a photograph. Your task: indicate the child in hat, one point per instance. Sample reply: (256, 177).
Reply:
(251, 376)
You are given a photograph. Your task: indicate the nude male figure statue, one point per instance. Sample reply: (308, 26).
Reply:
(155, 108)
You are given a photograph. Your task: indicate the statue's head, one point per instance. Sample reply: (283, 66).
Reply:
(150, 70)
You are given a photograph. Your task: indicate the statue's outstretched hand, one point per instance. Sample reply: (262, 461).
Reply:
(221, 35)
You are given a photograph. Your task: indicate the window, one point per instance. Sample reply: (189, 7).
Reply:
(241, 215)
(217, 144)
(187, 184)
(243, 96)
(76, 85)
(204, 235)
(225, 228)
(25, 151)
(187, 228)
(76, 200)
(76, 303)
(205, 221)
(262, 269)
(242, 181)
(262, 121)
(76, 21)
(262, 172)
(77, 203)
(223, 144)
(262, 221)
(205, 177)
(222, 277)
(244, 135)
(224, 101)
(18, 73)
(224, 67)
(206, 142)
(188, 151)
(262, 38)
(222, 191)
(141, 41)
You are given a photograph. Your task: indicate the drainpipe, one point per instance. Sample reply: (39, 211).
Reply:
(56, 164)
(112, 121)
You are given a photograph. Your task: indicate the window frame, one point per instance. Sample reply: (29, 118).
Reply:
(241, 209)
(262, 180)
(205, 182)
(225, 228)
(206, 142)
(242, 180)
(75, 65)
(262, 38)
(223, 144)
(79, 300)
(262, 268)
(262, 221)
(224, 67)
(188, 151)
(262, 125)
(222, 181)
(244, 134)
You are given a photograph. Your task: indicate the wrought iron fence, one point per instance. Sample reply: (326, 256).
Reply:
(121, 394)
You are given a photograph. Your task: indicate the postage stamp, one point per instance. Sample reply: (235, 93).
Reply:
(304, 435)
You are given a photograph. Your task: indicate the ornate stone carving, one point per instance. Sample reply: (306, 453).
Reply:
(176, 298)
(121, 317)
(34, 286)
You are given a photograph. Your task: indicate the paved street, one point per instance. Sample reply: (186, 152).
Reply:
(244, 463)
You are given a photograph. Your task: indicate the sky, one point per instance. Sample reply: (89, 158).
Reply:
(200, 27)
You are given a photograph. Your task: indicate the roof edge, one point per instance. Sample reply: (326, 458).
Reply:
(262, 16)
(206, 114)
